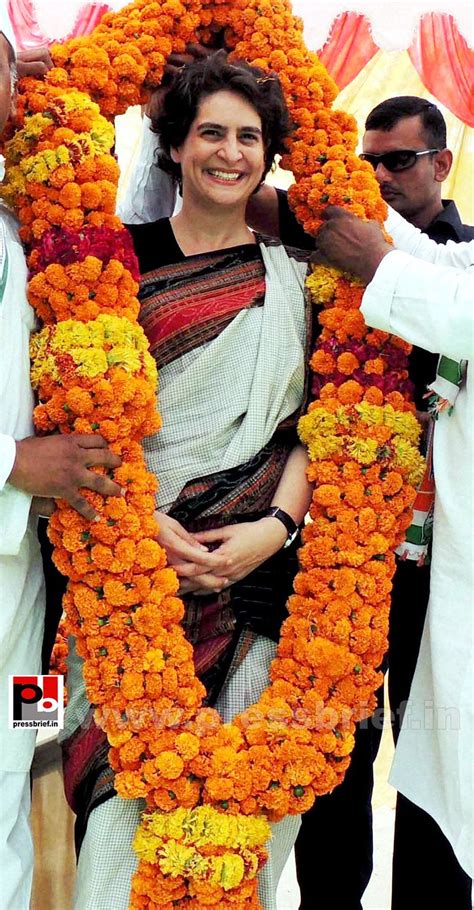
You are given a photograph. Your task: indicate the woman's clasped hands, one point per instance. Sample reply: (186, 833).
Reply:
(208, 561)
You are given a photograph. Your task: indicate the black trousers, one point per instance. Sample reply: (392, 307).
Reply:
(426, 872)
(55, 587)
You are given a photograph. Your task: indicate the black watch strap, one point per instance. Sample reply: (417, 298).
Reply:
(290, 525)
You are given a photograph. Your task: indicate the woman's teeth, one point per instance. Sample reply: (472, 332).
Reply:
(224, 175)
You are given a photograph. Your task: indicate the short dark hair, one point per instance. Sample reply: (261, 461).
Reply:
(198, 80)
(387, 114)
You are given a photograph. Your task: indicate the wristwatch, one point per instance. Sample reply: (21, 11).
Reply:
(290, 525)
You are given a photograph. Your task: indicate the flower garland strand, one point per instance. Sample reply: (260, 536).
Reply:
(211, 788)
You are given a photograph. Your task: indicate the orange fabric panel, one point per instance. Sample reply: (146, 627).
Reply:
(445, 64)
(348, 48)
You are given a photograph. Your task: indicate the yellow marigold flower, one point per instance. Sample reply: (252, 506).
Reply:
(228, 870)
(409, 459)
(177, 859)
(90, 362)
(125, 357)
(318, 421)
(154, 660)
(371, 414)
(363, 450)
(322, 283)
(70, 334)
(402, 423)
(321, 447)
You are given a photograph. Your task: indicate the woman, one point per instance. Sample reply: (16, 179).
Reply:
(228, 323)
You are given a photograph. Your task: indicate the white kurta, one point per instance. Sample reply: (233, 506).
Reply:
(21, 574)
(150, 193)
(433, 307)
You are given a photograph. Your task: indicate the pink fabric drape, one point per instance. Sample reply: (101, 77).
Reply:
(348, 48)
(27, 33)
(445, 64)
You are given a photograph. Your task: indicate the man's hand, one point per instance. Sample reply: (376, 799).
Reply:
(34, 62)
(351, 244)
(58, 467)
(174, 64)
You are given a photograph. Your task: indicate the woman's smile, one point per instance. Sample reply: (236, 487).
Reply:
(222, 158)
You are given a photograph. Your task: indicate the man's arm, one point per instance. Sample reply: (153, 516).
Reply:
(14, 504)
(411, 240)
(151, 192)
(429, 305)
(262, 213)
(51, 466)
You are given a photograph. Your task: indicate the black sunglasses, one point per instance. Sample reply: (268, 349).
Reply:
(400, 160)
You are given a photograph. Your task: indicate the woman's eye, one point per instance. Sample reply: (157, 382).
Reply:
(211, 133)
(248, 137)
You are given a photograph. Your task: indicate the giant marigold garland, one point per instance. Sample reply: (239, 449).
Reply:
(211, 788)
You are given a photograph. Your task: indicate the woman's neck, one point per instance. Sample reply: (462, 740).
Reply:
(198, 231)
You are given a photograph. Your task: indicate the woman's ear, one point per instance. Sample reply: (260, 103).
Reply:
(175, 155)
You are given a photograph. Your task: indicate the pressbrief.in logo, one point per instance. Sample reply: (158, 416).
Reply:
(36, 701)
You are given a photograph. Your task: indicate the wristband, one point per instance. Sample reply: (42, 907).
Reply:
(292, 528)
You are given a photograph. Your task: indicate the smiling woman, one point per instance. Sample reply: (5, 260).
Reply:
(220, 130)
(227, 320)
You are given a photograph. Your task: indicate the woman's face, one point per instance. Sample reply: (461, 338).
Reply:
(222, 158)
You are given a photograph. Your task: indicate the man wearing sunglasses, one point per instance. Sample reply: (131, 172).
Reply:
(405, 142)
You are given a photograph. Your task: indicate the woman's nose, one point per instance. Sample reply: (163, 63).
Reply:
(230, 149)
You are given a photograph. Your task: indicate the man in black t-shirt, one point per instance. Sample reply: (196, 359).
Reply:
(405, 141)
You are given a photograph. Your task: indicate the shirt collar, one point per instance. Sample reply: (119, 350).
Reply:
(450, 217)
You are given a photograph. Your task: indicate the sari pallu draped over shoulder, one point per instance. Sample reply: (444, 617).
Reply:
(231, 333)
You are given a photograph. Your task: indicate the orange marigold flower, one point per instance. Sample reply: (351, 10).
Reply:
(350, 392)
(169, 765)
(327, 494)
(347, 363)
(322, 362)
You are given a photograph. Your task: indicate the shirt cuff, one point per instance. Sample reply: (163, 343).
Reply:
(15, 504)
(7, 458)
(378, 297)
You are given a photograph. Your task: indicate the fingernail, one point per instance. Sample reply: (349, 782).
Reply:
(96, 518)
(123, 491)
(202, 547)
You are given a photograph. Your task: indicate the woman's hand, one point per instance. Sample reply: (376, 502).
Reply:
(243, 547)
(184, 552)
